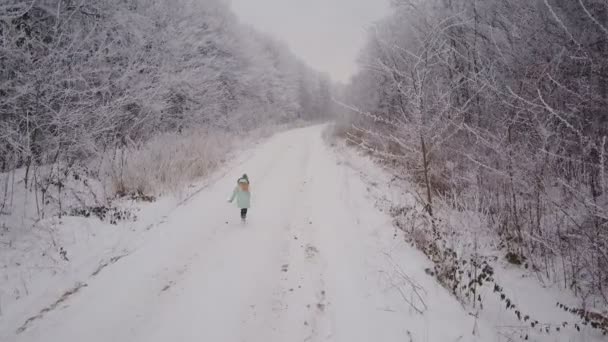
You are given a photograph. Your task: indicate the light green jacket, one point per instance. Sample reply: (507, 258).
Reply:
(243, 198)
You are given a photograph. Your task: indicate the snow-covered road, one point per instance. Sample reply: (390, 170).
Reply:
(315, 262)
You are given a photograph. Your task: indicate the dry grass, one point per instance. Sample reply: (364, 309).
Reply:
(167, 162)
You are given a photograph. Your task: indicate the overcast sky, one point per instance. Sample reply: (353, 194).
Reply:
(327, 34)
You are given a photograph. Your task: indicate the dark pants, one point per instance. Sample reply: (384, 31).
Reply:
(243, 213)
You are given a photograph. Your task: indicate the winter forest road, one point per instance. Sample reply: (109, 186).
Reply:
(312, 264)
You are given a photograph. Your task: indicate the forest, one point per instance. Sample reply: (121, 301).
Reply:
(496, 108)
(102, 88)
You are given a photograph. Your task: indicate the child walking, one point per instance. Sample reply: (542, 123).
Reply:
(242, 195)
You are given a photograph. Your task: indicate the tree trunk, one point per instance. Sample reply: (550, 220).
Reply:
(425, 161)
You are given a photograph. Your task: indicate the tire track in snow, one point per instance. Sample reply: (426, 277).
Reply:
(304, 289)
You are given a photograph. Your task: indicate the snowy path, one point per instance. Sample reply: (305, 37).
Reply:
(310, 265)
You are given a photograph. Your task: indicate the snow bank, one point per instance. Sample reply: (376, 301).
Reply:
(511, 298)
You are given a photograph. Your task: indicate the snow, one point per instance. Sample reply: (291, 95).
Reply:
(316, 261)
(525, 288)
(33, 273)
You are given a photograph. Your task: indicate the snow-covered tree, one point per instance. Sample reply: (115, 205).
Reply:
(80, 79)
(503, 106)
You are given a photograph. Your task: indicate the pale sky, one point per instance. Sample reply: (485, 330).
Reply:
(326, 34)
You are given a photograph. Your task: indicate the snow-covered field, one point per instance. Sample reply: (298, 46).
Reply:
(317, 261)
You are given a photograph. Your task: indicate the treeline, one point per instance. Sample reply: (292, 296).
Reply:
(80, 78)
(501, 108)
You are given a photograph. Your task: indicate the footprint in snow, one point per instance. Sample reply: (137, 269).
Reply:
(311, 251)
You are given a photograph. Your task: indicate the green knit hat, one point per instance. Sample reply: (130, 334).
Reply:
(243, 179)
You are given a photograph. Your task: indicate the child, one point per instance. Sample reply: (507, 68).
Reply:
(242, 195)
